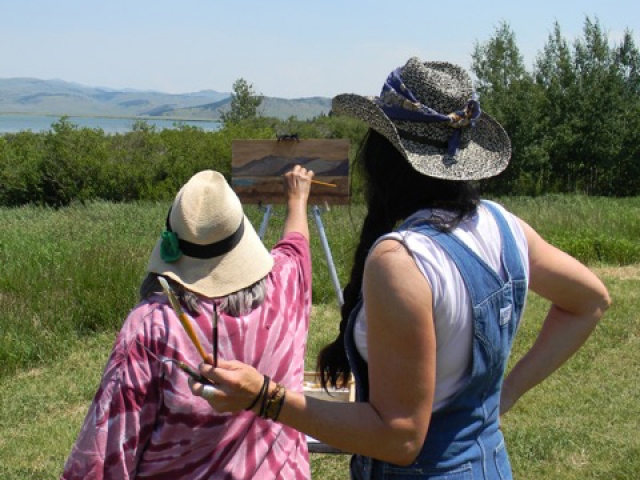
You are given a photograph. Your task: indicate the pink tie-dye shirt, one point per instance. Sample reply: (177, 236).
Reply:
(145, 423)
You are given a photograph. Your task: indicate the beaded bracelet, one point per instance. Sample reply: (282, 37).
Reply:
(272, 408)
(265, 399)
(280, 403)
(261, 394)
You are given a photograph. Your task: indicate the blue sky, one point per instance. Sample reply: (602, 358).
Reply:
(285, 49)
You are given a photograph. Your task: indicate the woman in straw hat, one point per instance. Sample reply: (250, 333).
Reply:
(144, 422)
(436, 293)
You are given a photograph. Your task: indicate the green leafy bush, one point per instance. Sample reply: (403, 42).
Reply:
(69, 164)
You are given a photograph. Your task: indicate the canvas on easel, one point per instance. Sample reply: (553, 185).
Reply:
(257, 167)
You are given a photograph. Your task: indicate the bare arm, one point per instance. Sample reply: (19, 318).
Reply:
(578, 301)
(297, 185)
(393, 424)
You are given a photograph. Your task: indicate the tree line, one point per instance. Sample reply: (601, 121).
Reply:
(574, 120)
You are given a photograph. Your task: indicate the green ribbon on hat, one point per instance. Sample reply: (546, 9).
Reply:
(169, 247)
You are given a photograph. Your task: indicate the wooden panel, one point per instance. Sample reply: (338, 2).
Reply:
(257, 167)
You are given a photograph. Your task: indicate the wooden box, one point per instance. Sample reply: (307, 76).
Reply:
(312, 388)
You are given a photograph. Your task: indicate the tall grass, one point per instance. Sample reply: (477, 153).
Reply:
(70, 272)
(593, 229)
(69, 276)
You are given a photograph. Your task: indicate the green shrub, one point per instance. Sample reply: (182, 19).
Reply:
(21, 157)
(69, 164)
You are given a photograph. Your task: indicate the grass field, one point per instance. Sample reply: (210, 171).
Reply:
(69, 277)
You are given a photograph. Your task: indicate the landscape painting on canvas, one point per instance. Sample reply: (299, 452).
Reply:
(257, 167)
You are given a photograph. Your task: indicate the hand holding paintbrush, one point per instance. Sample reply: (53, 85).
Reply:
(297, 188)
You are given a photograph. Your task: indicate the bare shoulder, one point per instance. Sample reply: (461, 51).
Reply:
(388, 253)
(391, 272)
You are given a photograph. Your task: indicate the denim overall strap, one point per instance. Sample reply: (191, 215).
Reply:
(464, 441)
(511, 260)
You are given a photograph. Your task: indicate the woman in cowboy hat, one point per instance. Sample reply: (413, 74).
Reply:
(144, 422)
(436, 293)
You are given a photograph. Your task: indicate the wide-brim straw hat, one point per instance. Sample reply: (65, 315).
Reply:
(421, 107)
(209, 246)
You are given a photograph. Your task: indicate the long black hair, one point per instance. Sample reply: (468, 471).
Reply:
(393, 191)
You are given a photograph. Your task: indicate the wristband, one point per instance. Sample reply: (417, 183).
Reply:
(261, 393)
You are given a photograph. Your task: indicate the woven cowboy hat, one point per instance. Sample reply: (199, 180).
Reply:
(430, 113)
(209, 246)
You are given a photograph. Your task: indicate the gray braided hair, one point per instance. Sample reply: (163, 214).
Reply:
(235, 304)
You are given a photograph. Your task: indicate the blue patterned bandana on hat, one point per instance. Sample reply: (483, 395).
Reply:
(398, 102)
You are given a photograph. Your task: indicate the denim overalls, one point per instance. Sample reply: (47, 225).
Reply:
(464, 440)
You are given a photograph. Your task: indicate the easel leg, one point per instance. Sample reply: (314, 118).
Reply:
(265, 221)
(327, 254)
(323, 240)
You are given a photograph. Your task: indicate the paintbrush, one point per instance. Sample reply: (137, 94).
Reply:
(318, 182)
(326, 184)
(215, 336)
(182, 316)
(181, 365)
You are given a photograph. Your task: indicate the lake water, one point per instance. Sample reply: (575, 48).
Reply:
(13, 123)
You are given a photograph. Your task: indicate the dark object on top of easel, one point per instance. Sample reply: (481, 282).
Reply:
(288, 138)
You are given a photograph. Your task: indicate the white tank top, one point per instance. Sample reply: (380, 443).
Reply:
(451, 303)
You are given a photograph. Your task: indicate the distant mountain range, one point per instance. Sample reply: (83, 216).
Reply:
(57, 97)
